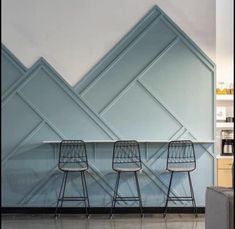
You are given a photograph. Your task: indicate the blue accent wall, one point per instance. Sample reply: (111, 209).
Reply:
(154, 84)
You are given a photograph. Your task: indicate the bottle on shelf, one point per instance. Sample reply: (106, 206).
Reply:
(231, 89)
(221, 89)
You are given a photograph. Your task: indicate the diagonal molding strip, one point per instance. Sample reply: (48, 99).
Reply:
(96, 175)
(79, 101)
(170, 112)
(156, 155)
(158, 182)
(117, 49)
(204, 59)
(96, 172)
(41, 63)
(133, 42)
(17, 64)
(133, 81)
(160, 101)
(22, 142)
(53, 127)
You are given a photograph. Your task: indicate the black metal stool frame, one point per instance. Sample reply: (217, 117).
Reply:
(125, 159)
(176, 159)
(68, 158)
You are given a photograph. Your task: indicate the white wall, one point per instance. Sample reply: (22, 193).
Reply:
(224, 40)
(73, 35)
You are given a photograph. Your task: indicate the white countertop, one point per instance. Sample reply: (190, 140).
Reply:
(224, 157)
(140, 141)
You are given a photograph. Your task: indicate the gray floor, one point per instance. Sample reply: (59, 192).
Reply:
(172, 221)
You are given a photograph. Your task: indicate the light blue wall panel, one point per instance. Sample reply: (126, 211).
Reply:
(27, 166)
(36, 111)
(12, 71)
(64, 113)
(117, 50)
(185, 84)
(170, 68)
(18, 119)
(154, 84)
(126, 116)
(168, 93)
(128, 64)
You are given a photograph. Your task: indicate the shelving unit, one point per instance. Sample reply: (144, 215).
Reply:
(227, 102)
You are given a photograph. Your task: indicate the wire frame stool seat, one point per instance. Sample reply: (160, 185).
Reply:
(73, 158)
(126, 158)
(181, 158)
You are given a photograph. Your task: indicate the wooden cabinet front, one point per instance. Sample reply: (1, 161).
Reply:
(224, 172)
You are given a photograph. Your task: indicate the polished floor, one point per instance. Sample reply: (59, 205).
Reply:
(172, 221)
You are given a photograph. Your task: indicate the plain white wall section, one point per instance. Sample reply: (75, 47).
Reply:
(74, 35)
(224, 40)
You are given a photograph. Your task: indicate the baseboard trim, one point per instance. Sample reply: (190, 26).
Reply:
(98, 210)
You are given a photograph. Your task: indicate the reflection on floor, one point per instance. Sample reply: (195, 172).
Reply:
(172, 221)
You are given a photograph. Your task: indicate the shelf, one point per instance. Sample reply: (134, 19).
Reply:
(227, 125)
(224, 157)
(224, 97)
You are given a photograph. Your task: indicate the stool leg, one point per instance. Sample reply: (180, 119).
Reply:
(85, 194)
(192, 194)
(58, 200)
(62, 198)
(115, 194)
(168, 194)
(88, 201)
(139, 195)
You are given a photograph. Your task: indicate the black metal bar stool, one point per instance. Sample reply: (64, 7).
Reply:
(126, 158)
(181, 158)
(73, 158)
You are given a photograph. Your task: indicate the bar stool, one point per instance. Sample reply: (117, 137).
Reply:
(181, 158)
(73, 158)
(126, 158)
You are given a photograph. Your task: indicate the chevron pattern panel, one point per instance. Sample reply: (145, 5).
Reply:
(154, 84)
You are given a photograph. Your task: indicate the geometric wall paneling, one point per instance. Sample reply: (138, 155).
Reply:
(15, 130)
(135, 91)
(28, 120)
(205, 165)
(126, 117)
(12, 72)
(174, 68)
(38, 162)
(159, 58)
(147, 87)
(63, 111)
(128, 64)
(116, 51)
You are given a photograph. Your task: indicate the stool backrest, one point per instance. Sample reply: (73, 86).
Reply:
(181, 155)
(126, 154)
(72, 154)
